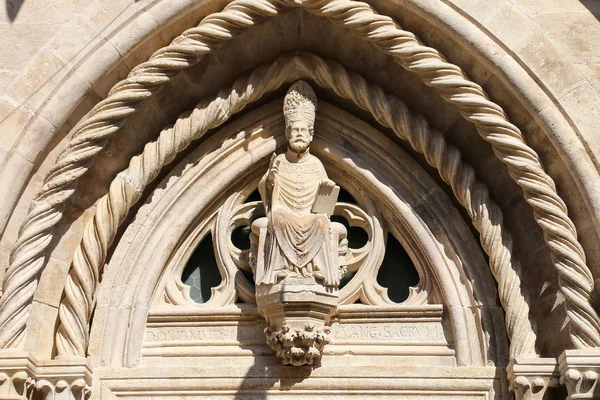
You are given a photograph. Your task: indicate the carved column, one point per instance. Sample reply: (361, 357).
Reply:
(579, 371)
(16, 378)
(530, 377)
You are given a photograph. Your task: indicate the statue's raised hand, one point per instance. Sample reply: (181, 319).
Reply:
(273, 170)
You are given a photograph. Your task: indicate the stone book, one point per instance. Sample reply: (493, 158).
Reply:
(326, 200)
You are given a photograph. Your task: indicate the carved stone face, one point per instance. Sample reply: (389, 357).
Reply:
(299, 136)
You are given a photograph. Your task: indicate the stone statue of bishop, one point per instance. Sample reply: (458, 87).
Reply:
(299, 242)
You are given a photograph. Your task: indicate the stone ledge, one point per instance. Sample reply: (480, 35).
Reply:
(277, 381)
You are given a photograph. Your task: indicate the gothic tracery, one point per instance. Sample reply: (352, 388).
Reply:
(432, 160)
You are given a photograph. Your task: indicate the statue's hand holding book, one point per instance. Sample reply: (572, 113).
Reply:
(326, 198)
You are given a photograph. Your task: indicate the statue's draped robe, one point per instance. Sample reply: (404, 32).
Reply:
(298, 240)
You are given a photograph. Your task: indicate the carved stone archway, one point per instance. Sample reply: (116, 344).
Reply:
(490, 120)
(127, 188)
(360, 159)
(549, 209)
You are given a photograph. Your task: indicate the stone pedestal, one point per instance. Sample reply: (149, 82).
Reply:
(579, 371)
(530, 377)
(297, 310)
(295, 302)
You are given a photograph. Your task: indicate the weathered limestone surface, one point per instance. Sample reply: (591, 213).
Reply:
(538, 60)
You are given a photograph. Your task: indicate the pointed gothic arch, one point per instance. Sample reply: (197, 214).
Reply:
(549, 209)
(80, 290)
(588, 333)
(237, 154)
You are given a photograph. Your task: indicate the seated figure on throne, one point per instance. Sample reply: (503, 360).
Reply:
(296, 240)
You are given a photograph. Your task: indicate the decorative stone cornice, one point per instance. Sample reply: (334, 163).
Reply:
(579, 371)
(65, 379)
(530, 377)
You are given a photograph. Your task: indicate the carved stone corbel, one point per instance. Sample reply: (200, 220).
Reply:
(579, 370)
(298, 347)
(530, 377)
(297, 312)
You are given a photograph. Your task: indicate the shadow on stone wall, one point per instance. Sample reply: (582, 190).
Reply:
(12, 8)
(593, 6)
(266, 376)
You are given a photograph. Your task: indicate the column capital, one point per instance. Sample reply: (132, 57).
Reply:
(579, 370)
(530, 377)
(17, 375)
(64, 379)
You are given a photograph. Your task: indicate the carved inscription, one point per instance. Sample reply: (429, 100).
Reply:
(399, 331)
(206, 333)
(340, 333)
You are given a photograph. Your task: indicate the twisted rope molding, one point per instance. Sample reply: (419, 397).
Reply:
(27, 260)
(550, 212)
(77, 306)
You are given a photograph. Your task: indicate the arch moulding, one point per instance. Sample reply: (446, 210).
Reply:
(417, 211)
(28, 257)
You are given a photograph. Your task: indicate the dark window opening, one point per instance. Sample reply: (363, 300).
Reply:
(346, 197)
(254, 196)
(397, 272)
(357, 237)
(249, 276)
(240, 237)
(346, 278)
(201, 272)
